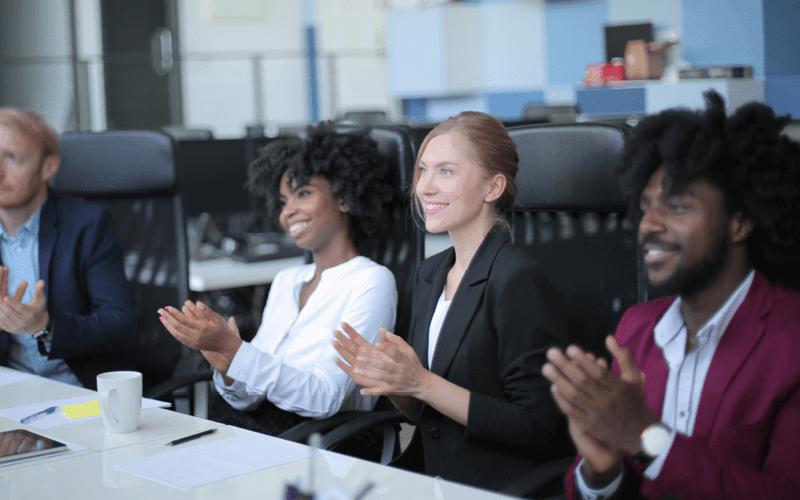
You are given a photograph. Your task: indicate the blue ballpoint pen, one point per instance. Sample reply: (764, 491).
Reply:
(46, 411)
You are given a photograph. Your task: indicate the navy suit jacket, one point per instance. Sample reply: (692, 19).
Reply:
(80, 261)
(503, 318)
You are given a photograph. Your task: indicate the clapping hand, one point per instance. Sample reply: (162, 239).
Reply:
(16, 317)
(198, 327)
(351, 347)
(607, 413)
(390, 367)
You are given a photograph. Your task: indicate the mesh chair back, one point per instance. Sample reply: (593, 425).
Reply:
(402, 247)
(571, 216)
(133, 175)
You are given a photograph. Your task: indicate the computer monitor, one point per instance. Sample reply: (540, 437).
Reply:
(618, 36)
(213, 174)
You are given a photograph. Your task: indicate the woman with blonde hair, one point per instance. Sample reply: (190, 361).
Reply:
(483, 316)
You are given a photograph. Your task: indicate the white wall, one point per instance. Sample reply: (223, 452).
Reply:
(41, 29)
(355, 32)
(219, 39)
(34, 30)
(513, 52)
(90, 49)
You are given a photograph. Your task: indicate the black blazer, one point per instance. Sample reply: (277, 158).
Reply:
(503, 318)
(80, 261)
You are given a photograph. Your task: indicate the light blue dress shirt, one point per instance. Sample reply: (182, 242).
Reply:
(21, 257)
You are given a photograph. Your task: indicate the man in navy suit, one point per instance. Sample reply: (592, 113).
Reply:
(65, 307)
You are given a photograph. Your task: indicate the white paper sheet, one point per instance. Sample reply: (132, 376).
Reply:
(210, 462)
(12, 376)
(57, 419)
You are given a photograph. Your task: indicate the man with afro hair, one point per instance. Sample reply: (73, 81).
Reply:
(703, 397)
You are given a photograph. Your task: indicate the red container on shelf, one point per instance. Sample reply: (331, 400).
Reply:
(604, 73)
(614, 72)
(593, 76)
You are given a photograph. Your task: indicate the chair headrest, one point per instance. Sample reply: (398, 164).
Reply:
(115, 163)
(569, 167)
(396, 144)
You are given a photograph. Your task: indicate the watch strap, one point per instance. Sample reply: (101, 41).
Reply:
(43, 336)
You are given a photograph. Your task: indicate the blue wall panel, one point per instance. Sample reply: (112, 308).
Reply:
(724, 32)
(611, 101)
(415, 110)
(511, 105)
(781, 38)
(575, 38)
(783, 94)
(313, 81)
(664, 14)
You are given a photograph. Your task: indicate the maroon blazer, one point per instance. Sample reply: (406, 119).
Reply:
(746, 438)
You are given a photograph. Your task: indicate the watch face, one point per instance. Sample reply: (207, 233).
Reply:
(655, 439)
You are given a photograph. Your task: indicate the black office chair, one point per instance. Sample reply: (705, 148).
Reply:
(403, 246)
(132, 173)
(571, 217)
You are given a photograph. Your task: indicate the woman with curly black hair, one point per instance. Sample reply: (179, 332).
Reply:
(329, 192)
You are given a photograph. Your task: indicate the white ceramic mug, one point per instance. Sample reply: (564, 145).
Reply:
(120, 400)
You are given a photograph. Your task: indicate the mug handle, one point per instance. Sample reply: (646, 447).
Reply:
(106, 405)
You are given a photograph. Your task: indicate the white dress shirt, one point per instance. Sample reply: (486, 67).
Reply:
(687, 374)
(439, 314)
(290, 361)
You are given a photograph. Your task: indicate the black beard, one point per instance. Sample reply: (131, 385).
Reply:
(688, 281)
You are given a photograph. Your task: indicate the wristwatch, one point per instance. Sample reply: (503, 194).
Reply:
(654, 441)
(44, 335)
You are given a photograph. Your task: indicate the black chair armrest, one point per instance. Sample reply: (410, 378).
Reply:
(355, 427)
(528, 483)
(301, 432)
(168, 386)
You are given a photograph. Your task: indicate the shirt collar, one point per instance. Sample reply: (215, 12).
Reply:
(30, 227)
(672, 322)
(332, 272)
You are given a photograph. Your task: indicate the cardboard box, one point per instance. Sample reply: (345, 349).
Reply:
(645, 60)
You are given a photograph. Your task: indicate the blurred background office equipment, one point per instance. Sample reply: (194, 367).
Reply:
(213, 175)
(230, 65)
(553, 113)
(224, 219)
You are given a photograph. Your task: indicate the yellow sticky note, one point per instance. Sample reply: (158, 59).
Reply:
(81, 410)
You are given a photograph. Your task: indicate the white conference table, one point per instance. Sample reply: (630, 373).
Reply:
(92, 473)
(219, 274)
